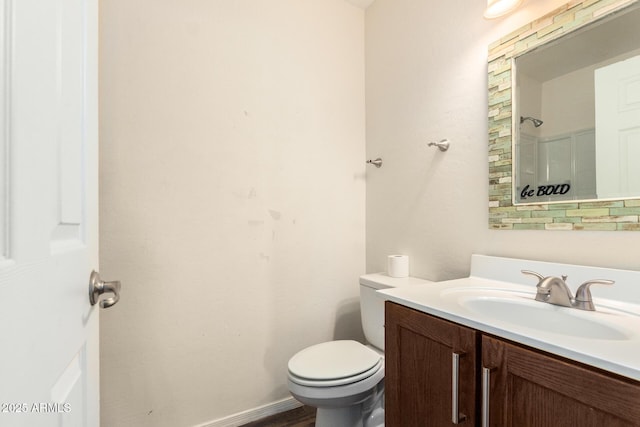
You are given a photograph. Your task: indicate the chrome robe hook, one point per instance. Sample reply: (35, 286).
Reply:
(377, 162)
(443, 144)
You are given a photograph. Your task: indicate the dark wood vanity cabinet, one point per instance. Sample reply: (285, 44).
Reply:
(520, 386)
(531, 388)
(419, 359)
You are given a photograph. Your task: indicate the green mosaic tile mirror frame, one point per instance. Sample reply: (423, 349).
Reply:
(503, 215)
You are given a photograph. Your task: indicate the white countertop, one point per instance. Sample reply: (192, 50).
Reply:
(620, 310)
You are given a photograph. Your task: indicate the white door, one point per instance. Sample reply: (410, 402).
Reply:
(48, 209)
(617, 89)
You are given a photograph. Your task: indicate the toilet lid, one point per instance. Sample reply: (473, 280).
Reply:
(333, 360)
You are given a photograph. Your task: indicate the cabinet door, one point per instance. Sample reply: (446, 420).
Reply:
(529, 388)
(419, 377)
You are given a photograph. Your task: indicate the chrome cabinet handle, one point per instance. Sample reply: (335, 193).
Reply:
(456, 416)
(98, 287)
(486, 390)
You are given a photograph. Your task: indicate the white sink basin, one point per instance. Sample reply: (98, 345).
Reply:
(549, 317)
(520, 308)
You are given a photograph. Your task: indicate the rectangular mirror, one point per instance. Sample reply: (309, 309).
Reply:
(564, 120)
(577, 110)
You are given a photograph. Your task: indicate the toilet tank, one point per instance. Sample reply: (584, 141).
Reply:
(372, 303)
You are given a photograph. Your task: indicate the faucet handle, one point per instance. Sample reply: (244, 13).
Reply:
(533, 273)
(542, 292)
(583, 299)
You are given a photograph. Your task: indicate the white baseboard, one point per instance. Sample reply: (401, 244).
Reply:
(254, 414)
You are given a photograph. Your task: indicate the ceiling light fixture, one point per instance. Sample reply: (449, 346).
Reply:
(498, 8)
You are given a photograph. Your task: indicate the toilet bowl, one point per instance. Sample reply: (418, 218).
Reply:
(344, 379)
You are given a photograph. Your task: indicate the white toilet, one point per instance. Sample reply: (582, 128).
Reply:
(344, 380)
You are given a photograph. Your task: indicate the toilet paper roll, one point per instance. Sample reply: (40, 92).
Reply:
(398, 266)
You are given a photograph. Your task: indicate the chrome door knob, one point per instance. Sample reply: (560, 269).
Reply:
(98, 287)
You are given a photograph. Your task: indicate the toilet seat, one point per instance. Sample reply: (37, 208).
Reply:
(341, 396)
(338, 381)
(333, 364)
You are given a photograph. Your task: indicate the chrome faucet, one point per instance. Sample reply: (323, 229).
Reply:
(554, 290)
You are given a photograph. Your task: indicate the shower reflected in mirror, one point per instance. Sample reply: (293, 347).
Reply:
(536, 122)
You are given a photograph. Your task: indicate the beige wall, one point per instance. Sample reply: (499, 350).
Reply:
(569, 99)
(232, 184)
(426, 65)
(232, 199)
(569, 103)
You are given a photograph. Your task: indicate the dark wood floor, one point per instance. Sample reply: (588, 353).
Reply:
(303, 416)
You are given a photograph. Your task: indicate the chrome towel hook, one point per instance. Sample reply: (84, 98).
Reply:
(443, 144)
(377, 162)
